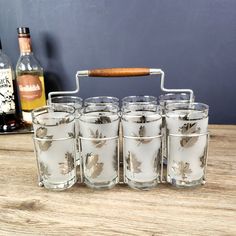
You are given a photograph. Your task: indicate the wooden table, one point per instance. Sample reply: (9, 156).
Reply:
(26, 209)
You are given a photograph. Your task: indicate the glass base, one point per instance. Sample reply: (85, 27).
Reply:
(101, 185)
(59, 186)
(142, 185)
(186, 184)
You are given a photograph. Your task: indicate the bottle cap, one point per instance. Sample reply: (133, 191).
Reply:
(23, 30)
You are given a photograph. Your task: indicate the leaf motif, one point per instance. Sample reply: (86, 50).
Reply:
(69, 164)
(185, 117)
(142, 133)
(45, 145)
(91, 160)
(63, 168)
(71, 134)
(41, 132)
(133, 164)
(70, 160)
(100, 144)
(64, 120)
(97, 135)
(93, 166)
(44, 172)
(182, 169)
(188, 141)
(189, 128)
(142, 119)
(203, 159)
(97, 170)
(103, 120)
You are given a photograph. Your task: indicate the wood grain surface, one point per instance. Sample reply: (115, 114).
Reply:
(26, 209)
(119, 72)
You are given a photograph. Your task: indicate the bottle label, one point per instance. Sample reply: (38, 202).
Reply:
(25, 44)
(30, 87)
(7, 103)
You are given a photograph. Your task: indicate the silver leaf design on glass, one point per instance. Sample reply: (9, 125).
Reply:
(189, 128)
(93, 166)
(103, 120)
(97, 135)
(203, 159)
(67, 166)
(182, 169)
(141, 134)
(71, 135)
(41, 133)
(185, 117)
(45, 145)
(142, 119)
(97, 170)
(64, 120)
(132, 163)
(44, 171)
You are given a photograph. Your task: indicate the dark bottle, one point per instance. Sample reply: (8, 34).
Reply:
(9, 120)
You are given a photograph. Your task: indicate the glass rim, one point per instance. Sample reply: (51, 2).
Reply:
(67, 96)
(113, 114)
(153, 99)
(102, 97)
(173, 94)
(135, 96)
(90, 114)
(44, 109)
(176, 104)
(129, 113)
(93, 105)
(138, 116)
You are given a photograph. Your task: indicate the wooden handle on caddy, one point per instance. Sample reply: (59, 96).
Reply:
(118, 72)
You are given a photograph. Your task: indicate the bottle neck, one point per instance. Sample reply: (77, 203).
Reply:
(25, 44)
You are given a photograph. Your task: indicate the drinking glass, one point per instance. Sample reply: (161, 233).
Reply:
(99, 145)
(77, 103)
(108, 100)
(141, 123)
(187, 143)
(54, 142)
(164, 100)
(141, 101)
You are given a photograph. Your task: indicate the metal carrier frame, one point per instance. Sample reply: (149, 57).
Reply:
(116, 72)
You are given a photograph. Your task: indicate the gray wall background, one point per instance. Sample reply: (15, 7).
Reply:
(193, 41)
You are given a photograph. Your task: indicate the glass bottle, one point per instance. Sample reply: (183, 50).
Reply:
(9, 120)
(30, 78)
